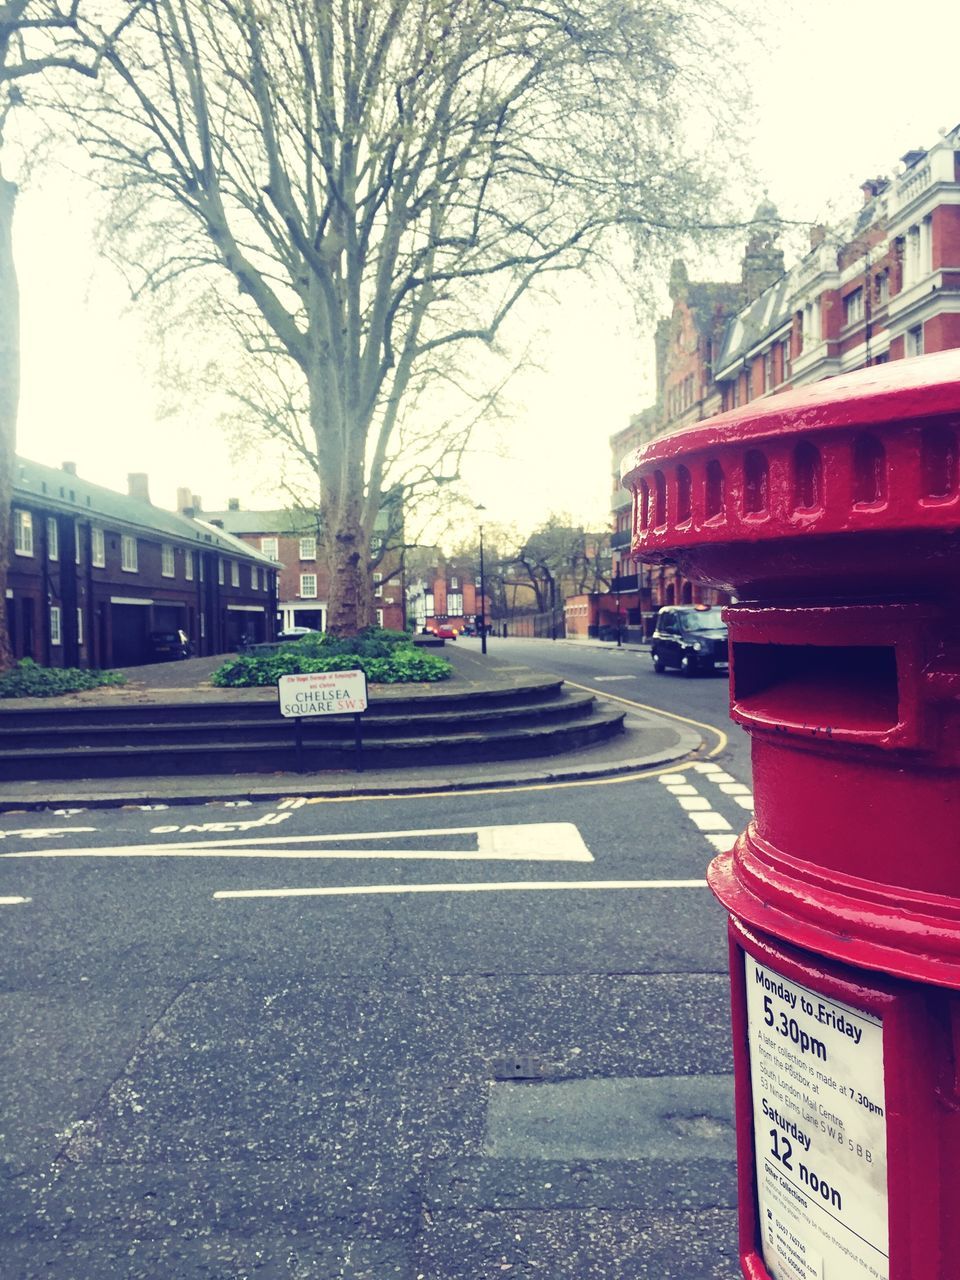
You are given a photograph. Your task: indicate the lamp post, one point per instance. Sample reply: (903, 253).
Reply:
(483, 589)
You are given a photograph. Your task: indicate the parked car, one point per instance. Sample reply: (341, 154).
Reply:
(691, 637)
(297, 633)
(445, 631)
(168, 646)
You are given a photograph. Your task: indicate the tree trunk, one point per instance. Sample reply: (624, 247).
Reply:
(9, 396)
(340, 468)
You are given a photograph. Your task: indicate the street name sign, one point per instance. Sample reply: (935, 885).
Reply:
(323, 693)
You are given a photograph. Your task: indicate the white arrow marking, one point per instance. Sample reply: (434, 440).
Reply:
(12, 902)
(528, 842)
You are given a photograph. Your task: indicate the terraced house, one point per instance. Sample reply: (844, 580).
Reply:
(95, 574)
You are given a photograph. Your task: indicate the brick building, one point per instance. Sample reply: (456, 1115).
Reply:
(290, 537)
(445, 591)
(93, 573)
(882, 286)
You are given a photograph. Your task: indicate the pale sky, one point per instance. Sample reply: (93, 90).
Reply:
(848, 87)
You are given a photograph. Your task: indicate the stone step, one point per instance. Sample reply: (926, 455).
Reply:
(162, 726)
(242, 754)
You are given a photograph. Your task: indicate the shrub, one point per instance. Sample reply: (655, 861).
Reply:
(27, 680)
(402, 663)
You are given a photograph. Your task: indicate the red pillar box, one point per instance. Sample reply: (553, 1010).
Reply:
(832, 516)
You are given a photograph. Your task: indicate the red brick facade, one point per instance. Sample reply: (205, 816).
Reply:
(884, 286)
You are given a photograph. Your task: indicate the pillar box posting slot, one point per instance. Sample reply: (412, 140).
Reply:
(831, 514)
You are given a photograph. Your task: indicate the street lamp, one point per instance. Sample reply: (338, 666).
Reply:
(483, 620)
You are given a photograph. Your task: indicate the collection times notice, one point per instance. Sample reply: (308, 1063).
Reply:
(820, 1132)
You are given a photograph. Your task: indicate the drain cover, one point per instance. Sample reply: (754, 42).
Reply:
(519, 1066)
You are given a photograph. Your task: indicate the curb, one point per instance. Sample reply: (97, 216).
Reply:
(156, 790)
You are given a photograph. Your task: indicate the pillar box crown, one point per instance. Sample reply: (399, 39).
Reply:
(831, 514)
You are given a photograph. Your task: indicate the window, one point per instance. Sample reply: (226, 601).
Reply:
(128, 553)
(768, 370)
(455, 604)
(915, 341)
(270, 547)
(917, 246)
(853, 307)
(55, 632)
(188, 565)
(308, 548)
(53, 539)
(98, 553)
(234, 573)
(221, 577)
(167, 567)
(811, 324)
(23, 533)
(428, 604)
(200, 567)
(79, 626)
(76, 542)
(378, 584)
(454, 584)
(881, 288)
(308, 586)
(785, 360)
(254, 577)
(379, 617)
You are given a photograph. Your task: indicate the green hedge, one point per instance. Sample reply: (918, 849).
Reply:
(383, 658)
(27, 680)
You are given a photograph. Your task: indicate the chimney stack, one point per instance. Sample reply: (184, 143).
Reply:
(138, 485)
(69, 467)
(233, 504)
(817, 235)
(184, 501)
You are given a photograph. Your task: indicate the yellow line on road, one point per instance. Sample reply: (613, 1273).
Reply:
(615, 780)
(719, 734)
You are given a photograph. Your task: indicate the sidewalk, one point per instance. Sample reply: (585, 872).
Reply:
(649, 741)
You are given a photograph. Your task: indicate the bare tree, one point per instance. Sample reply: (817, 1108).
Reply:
(38, 39)
(384, 180)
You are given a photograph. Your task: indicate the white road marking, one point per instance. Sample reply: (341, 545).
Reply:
(292, 802)
(507, 886)
(67, 813)
(669, 778)
(710, 821)
(681, 789)
(693, 802)
(228, 824)
(707, 768)
(12, 902)
(737, 792)
(234, 804)
(608, 679)
(46, 833)
(722, 843)
(523, 842)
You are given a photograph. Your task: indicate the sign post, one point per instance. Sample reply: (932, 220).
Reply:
(324, 693)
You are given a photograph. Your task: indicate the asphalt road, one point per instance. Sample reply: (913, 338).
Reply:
(438, 1037)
